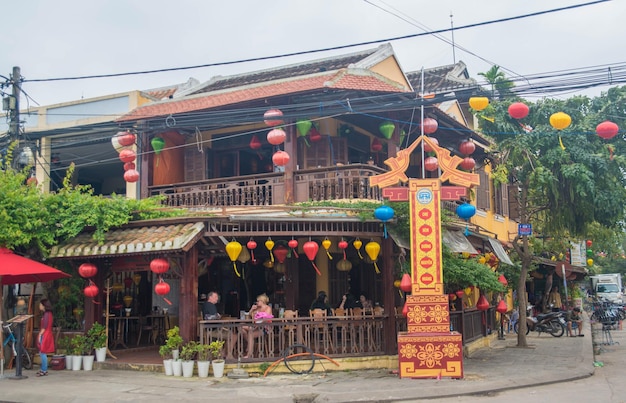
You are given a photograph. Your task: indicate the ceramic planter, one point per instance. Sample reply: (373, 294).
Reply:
(77, 362)
(218, 368)
(188, 368)
(177, 367)
(203, 368)
(101, 354)
(68, 361)
(88, 362)
(167, 366)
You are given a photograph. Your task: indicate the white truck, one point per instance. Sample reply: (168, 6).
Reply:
(607, 286)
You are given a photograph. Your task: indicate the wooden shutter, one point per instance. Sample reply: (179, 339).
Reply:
(483, 196)
(324, 153)
(195, 164)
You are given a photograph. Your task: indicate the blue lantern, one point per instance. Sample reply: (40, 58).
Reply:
(384, 214)
(466, 211)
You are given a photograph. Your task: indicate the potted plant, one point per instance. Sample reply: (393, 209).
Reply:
(85, 346)
(166, 353)
(204, 360)
(64, 344)
(187, 355)
(98, 337)
(216, 347)
(77, 346)
(174, 341)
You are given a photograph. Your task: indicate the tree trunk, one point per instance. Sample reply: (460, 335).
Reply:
(525, 255)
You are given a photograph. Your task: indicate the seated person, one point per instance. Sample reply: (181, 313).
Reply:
(365, 303)
(209, 309)
(574, 317)
(321, 302)
(260, 312)
(348, 302)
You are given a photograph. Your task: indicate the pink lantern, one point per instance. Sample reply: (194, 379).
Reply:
(430, 126)
(129, 165)
(276, 136)
(131, 176)
(518, 110)
(468, 163)
(273, 117)
(280, 158)
(467, 147)
(431, 164)
(127, 155)
(607, 130)
(427, 146)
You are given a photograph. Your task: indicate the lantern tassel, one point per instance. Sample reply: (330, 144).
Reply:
(376, 267)
(466, 233)
(359, 252)
(167, 300)
(295, 253)
(385, 230)
(561, 143)
(400, 292)
(252, 253)
(235, 267)
(95, 302)
(611, 151)
(271, 256)
(344, 254)
(328, 254)
(316, 269)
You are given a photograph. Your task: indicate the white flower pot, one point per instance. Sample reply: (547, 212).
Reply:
(68, 361)
(218, 368)
(177, 367)
(88, 362)
(188, 368)
(101, 354)
(167, 366)
(77, 362)
(175, 354)
(203, 368)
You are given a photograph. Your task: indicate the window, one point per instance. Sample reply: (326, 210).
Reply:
(483, 195)
(501, 199)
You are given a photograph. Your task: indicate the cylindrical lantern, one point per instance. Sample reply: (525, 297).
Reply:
(387, 128)
(479, 103)
(607, 130)
(87, 270)
(430, 126)
(560, 120)
(159, 266)
(131, 176)
(372, 249)
(431, 164)
(280, 158)
(310, 249)
(276, 136)
(467, 147)
(518, 110)
(273, 117)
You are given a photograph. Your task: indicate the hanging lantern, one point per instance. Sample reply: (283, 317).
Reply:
(326, 244)
(406, 283)
(273, 117)
(279, 268)
(314, 135)
(91, 291)
(128, 166)
(384, 213)
(136, 279)
(589, 243)
(427, 146)
(268, 264)
(276, 136)
(467, 147)
(87, 270)
(244, 256)
(430, 126)
(131, 176)
(467, 164)
(465, 211)
(478, 103)
(162, 288)
(310, 249)
(269, 244)
(405, 310)
(502, 280)
(560, 120)
(387, 128)
(128, 300)
(303, 127)
(117, 287)
(518, 110)
(233, 249)
(459, 293)
(376, 146)
(590, 262)
(357, 245)
(482, 304)
(344, 265)
(293, 244)
(157, 144)
(115, 142)
(502, 308)
(607, 130)
(372, 249)
(281, 252)
(396, 283)
(255, 143)
(159, 266)
(128, 281)
(343, 245)
(431, 164)
(280, 158)
(125, 138)
(127, 155)
(252, 246)
(452, 296)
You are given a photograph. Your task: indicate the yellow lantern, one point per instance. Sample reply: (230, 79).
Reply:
(136, 279)
(479, 103)
(373, 248)
(589, 262)
(560, 120)
(482, 260)
(233, 249)
(326, 244)
(269, 244)
(396, 283)
(468, 291)
(357, 245)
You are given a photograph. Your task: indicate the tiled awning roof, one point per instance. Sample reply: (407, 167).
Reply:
(131, 241)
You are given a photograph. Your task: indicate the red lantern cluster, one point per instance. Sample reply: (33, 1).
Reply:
(87, 270)
(430, 126)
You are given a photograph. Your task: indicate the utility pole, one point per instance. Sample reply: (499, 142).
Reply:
(14, 104)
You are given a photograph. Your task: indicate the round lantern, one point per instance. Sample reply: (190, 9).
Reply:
(233, 249)
(127, 155)
(589, 243)
(269, 244)
(344, 265)
(406, 283)
(343, 245)
(91, 291)
(387, 128)
(115, 142)
(467, 147)
(314, 135)
(125, 138)
(310, 249)
(384, 214)
(376, 146)
(157, 144)
(430, 126)
(396, 284)
(427, 146)
(280, 251)
(357, 245)
(431, 164)
(87, 270)
(502, 308)
(293, 244)
(518, 110)
(255, 143)
(162, 288)
(465, 211)
(478, 103)
(326, 245)
(482, 304)
(159, 266)
(372, 249)
(251, 245)
(276, 136)
(128, 166)
(131, 176)
(589, 262)
(560, 120)
(273, 117)
(468, 163)
(607, 130)
(280, 158)
(459, 293)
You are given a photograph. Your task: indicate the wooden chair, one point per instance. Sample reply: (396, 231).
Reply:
(341, 330)
(357, 330)
(150, 329)
(290, 336)
(319, 328)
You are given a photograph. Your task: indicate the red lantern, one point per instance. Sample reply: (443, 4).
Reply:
(159, 266)
(272, 117)
(251, 245)
(131, 176)
(427, 146)
(607, 130)
(518, 110)
(162, 288)
(280, 158)
(91, 291)
(467, 147)
(482, 304)
(589, 243)
(314, 135)
(502, 280)
(405, 310)
(376, 145)
(310, 248)
(430, 126)
(293, 244)
(128, 166)
(281, 253)
(502, 308)
(343, 245)
(255, 143)
(405, 283)
(127, 155)
(451, 296)
(468, 163)
(431, 164)
(459, 293)
(276, 136)
(87, 270)
(125, 138)
(31, 181)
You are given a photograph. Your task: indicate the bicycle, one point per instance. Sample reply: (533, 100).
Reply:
(27, 362)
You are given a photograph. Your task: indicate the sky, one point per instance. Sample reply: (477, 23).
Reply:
(69, 38)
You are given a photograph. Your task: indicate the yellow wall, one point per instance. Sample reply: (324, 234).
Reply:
(389, 68)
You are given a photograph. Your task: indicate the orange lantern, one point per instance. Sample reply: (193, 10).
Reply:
(280, 158)
(276, 136)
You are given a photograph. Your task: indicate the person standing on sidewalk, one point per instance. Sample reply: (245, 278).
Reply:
(45, 338)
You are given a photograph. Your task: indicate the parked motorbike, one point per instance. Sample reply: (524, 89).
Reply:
(552, 322)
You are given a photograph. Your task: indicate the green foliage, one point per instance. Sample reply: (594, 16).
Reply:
(189, 350)
(97, 335)
(459, 273)
(64, 344)
(165, 351)
(362, 209)
(174, 341)
(81, 345)
(264, 366)
(204, 352)
(216, 347)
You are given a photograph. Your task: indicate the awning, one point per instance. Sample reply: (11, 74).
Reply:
(499, 251)
(132, 241)
(457, 242)
(399, 241)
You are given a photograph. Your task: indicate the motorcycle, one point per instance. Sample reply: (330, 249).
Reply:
(551, 322)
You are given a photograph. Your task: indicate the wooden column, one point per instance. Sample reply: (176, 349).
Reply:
(188, 309)
(291, 149)
(389, 297)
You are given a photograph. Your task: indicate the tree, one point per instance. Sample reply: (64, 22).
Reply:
(567, 180)
(500, 86)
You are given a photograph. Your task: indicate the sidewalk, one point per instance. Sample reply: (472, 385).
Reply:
(500, 367)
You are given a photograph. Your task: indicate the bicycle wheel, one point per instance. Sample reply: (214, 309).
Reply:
(27, 362)
(556, 328)
(295, 357)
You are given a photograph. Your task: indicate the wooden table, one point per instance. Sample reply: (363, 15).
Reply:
(120, 325)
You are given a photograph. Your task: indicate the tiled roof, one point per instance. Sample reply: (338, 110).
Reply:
(354, 79)
(128, 241)
(442, 79)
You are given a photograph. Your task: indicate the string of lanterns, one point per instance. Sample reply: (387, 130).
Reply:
(122, 143)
